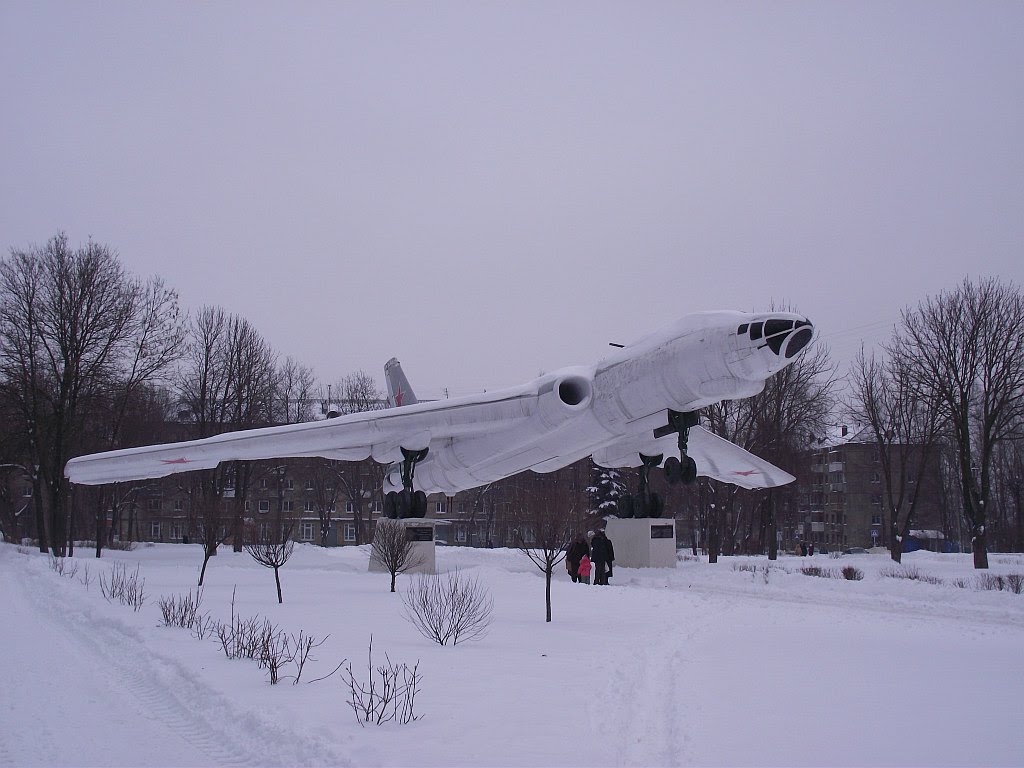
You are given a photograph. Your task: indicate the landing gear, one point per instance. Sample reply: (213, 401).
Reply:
(407, 502)
(646, 503)
(684, 469)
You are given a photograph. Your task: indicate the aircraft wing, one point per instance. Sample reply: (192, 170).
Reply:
(353, 437)
(716, 458)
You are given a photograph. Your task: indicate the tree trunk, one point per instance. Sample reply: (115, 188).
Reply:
(714, 536)
(206, 559)
(547, 593)
(772, 528)
(277, 578)
(101, 520)
(895, 541)
(980, 546)
(394, 575)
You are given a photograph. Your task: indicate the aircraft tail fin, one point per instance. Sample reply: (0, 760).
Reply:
(399, 390)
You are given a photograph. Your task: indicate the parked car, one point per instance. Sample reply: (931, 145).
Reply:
(855, 551)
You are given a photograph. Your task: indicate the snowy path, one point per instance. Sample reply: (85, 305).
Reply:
(141, 708)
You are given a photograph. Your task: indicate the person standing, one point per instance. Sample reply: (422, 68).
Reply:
(585, 570)
(602, 553)
(573, 555)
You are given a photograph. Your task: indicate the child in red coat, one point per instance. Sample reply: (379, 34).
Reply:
(585, 569)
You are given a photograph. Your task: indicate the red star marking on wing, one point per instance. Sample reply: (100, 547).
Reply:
(747, 472)
(399, 396)
(182, 460)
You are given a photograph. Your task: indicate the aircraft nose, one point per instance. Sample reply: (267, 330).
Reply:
(786, 338)
(784, 335)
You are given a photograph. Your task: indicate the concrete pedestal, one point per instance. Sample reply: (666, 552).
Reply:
(646, 542)
(420, 534)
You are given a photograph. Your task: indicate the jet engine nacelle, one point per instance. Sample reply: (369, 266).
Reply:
(571, 392)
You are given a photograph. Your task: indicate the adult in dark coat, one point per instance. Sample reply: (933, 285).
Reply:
(602, 553)
(575, 552)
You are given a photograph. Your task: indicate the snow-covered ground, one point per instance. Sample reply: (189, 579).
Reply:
(698, 665)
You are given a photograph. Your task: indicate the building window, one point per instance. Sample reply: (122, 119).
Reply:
(350, 531)
(263, 483)
(460, 535)
(289, 484)
(175, 531)
(350, 507)
(460, 507)
(154, 530)
(376, 506)
(289, 505)
(306, 531)
(442, 506)
(27, 490)
(264, 531)
(876, 519)
(310, 507)
(179, 505)
(309, 484)
(153, 505)
(264, 505)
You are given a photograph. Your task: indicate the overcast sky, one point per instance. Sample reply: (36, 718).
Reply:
(487, 190)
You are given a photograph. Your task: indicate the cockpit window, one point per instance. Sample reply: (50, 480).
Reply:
(742, 329)
(771, 327)
(755, 331)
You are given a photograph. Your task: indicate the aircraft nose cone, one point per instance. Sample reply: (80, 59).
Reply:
(799, 338)
(785, 335)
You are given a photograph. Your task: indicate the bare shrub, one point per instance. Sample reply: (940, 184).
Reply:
(817, 570)
(243, 638)
(260, 640)
(86, 578)
(61, 567)
(910, 573)
(745, 567)
(1014, 582)
(388, 695)
(961, 583)
(852, 574)
(451, 607)
(205, 626)
(181, 611)
(121, 546)
(123, 587)
(990, 581)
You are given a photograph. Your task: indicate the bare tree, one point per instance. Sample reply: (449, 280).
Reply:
(75, 327)
(393, 550)
(294, 393)
(904, 423)
(227, 382)
(272, 548)
(544, 527)
(966, 350)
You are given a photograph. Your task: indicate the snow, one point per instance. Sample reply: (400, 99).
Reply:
(698, 665)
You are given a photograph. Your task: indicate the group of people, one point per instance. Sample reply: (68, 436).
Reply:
(581, 558)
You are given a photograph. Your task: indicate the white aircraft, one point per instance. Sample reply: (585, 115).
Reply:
(629, 410)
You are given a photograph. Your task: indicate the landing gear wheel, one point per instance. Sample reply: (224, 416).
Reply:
(391, 505)
(405, 502)
(689, 471)
(419, 504)
(673, 470)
